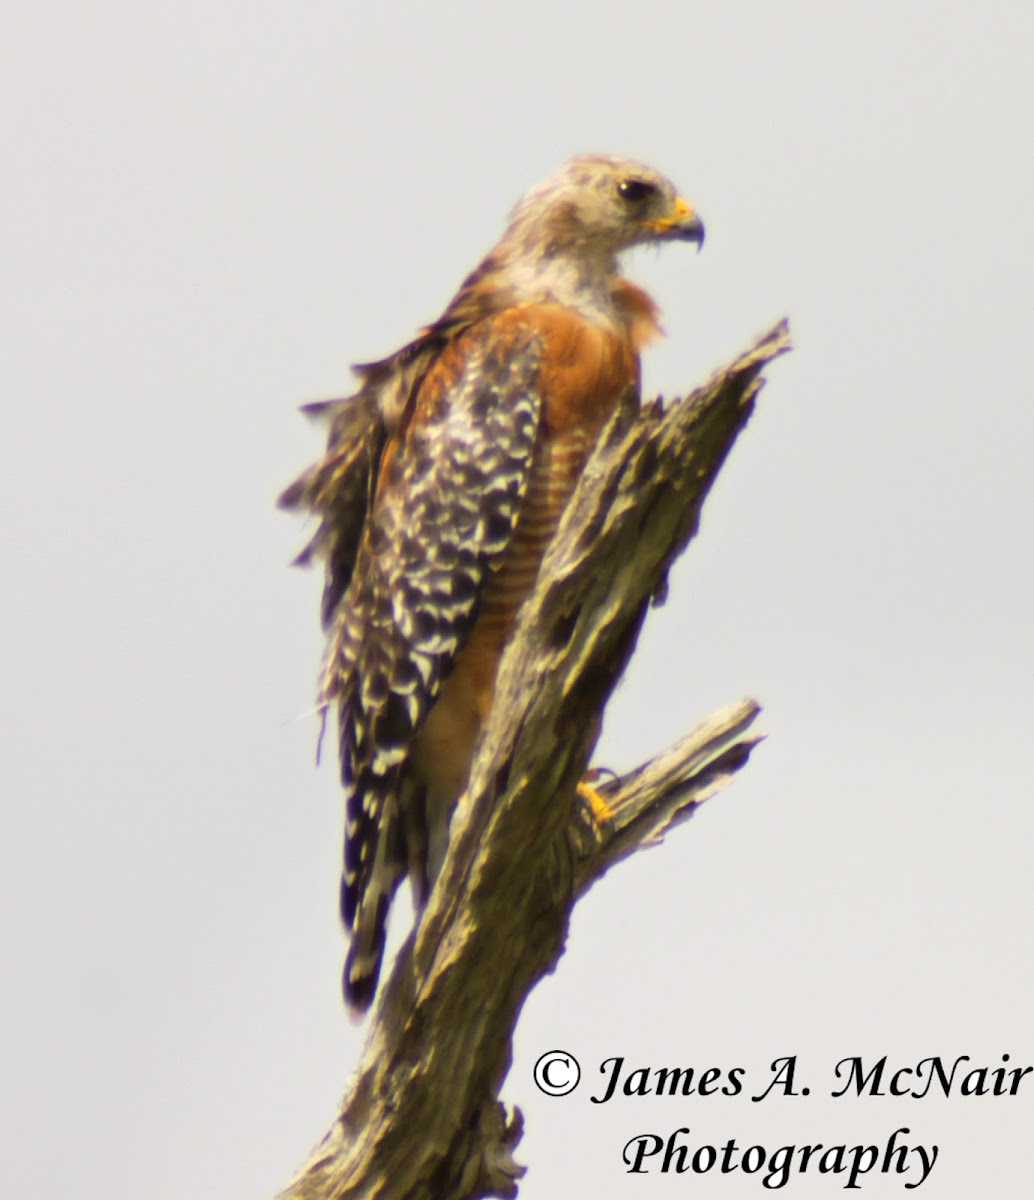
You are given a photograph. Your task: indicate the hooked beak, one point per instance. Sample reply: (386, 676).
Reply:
(681, 224)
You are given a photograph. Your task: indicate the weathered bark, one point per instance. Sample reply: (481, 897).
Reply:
(422, 1118)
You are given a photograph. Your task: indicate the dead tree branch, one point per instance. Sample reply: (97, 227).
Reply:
(422, 1118)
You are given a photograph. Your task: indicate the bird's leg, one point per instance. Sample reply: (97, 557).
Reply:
(595, 803)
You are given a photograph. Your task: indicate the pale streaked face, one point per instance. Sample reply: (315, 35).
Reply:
(612, 203)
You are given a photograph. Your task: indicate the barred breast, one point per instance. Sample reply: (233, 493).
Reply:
(585, 371)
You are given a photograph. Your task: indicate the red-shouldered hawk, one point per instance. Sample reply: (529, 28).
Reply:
(444, 479)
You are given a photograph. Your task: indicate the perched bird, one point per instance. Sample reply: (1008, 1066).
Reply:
(444, 479)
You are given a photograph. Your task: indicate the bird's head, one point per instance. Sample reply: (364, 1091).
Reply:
(597, 205)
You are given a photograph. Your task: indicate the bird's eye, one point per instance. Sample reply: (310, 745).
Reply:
(636, 191)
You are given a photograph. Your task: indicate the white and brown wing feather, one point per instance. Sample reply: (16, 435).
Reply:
(448, 497)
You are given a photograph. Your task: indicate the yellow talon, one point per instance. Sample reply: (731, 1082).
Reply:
(599, 808)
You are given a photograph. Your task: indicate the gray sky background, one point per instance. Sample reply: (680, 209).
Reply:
(208, 212)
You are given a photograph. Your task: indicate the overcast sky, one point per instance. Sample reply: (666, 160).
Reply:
(208, 212)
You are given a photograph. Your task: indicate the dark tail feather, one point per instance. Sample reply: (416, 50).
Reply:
(366, 895)
(363, 964)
